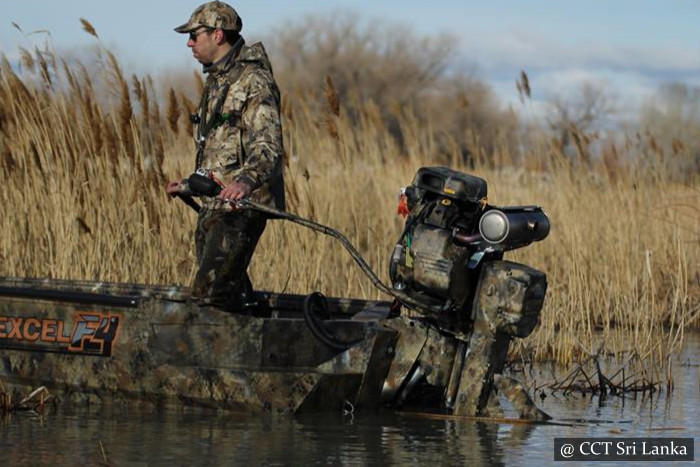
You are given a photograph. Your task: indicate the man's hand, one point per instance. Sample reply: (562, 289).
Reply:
(174, 188)
(235, 191)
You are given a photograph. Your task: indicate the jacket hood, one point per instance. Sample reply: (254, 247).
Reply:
(254, 54)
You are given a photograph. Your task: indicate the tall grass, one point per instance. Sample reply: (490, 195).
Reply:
(84, 158)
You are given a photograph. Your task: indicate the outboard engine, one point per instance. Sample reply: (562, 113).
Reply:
(450, 232)
(448, 267)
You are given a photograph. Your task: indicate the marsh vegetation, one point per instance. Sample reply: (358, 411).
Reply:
(86, 150)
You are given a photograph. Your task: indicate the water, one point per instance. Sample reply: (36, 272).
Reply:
(188, 437)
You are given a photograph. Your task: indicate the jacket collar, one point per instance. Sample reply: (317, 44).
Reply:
(226, 62)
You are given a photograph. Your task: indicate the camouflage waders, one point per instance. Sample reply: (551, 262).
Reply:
(225, 242)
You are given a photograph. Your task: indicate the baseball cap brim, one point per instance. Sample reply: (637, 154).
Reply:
(187, 27)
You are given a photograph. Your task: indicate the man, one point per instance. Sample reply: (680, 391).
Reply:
(239, 143)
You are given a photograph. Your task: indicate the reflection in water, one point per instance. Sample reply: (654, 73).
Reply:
(196, 437)
(166, 438)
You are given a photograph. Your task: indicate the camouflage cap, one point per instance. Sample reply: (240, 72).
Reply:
(213, 15)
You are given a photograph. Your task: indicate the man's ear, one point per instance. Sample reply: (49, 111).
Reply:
(219, 36)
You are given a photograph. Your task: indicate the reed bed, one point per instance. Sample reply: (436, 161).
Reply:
(85, 156)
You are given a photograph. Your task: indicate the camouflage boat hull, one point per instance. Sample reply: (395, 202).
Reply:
(109, 341)
(97, 342)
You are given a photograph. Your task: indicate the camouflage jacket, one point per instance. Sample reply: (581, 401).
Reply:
(239, 132)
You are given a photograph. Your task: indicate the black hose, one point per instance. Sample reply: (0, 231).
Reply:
(324, 230)
(201, 184)
(275, 213)
(402, 297)
(315, 311)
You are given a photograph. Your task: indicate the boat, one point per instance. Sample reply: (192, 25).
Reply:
(440, 344)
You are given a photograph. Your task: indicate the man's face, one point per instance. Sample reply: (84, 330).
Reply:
(203, 45)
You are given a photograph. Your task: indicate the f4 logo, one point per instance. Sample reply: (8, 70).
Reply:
(94, 334)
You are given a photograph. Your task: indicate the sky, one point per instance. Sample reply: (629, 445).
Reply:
(628, 47)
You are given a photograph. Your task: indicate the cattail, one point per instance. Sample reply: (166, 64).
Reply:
(186, 103)
(173, 112)
(189, 110)
(141, 91)
(85, 80)
(155, 114)
(16, 88)
(159, 154)
(653, 143)
(125, 111)
(27, 60)
(157, 134)
(199, 82)
(526, 83)
(96, 135)
(85, 90)
(331, 95)
(72, 83)
(145, 101)
(44, 67)
(523, 86)
(87, 27)
(678, 146)
(136, 84)
(332, 109)
(52, 59)
(110, 145)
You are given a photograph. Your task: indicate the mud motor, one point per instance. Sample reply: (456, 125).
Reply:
(451, 233)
